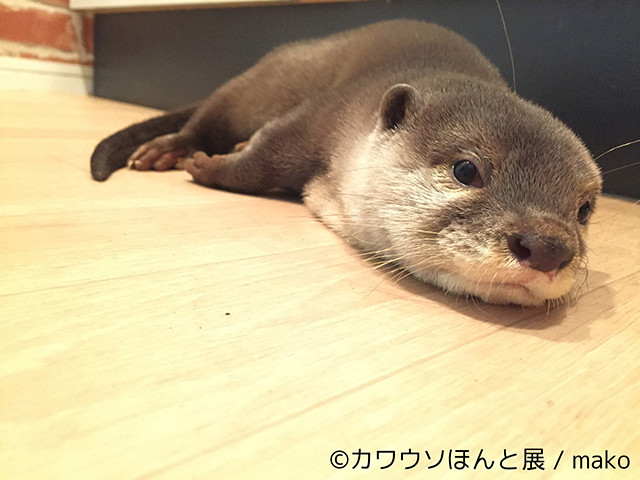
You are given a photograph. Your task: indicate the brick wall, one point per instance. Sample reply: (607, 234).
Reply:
(45, 30)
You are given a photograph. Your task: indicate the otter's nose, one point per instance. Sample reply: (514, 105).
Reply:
(542, 253)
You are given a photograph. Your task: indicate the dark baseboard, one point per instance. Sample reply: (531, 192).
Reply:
(581, 60)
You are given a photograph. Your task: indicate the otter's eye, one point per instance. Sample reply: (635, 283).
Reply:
(583, 213)
(467, 173)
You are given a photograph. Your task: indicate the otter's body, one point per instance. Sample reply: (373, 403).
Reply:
(406, 141)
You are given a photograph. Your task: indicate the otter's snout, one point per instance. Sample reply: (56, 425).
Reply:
(540, 252)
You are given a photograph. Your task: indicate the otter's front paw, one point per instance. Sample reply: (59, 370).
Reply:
(203, 168)
(162, 153)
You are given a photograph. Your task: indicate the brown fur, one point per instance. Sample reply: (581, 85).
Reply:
(368, 125)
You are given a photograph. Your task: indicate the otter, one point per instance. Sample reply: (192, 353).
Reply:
(406, 141)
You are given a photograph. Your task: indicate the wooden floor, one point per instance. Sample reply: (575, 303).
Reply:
(152, 328)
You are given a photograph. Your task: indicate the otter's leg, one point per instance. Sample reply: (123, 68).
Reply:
(235, 111)
(233, 171)
(278, 156)
(211, 129)
(228, 118)
(163, 153)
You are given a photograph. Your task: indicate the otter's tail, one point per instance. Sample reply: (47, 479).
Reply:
(112, 152)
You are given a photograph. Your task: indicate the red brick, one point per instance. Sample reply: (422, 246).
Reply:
(87, 32)
(35, 27)
(59, 3)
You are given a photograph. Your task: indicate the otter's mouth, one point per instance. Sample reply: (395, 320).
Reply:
(516, 287)
(533, 292)
(529, 291)
(507, 292)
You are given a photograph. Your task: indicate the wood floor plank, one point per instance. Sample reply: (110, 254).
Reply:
(152, 328)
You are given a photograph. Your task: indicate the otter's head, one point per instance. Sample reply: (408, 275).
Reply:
(484, 193)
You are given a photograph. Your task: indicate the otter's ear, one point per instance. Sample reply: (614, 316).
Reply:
(397, 103)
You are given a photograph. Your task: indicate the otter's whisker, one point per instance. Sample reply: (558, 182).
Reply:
(616, 148)
(621, 168)
(506, 34)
